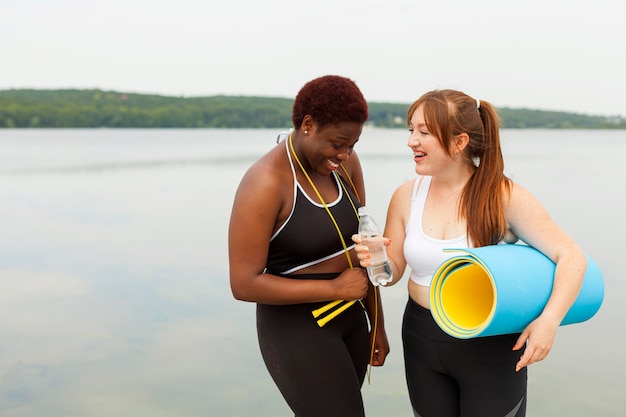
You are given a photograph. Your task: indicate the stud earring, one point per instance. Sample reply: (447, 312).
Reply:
(306, 132)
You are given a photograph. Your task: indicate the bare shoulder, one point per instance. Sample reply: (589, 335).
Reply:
(263, 183)
(527, 217)
(266, 170)
(518, 189)
(400, 204)
(520, 198)
(259, 206)
(530, 221)
(404, 191)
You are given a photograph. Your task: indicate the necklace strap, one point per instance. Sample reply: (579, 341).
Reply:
(354, 190)
(332, 218)
(339, 306)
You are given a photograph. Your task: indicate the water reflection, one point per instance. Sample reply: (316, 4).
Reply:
(114, 293)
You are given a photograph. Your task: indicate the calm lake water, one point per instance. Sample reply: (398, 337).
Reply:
(114, 295)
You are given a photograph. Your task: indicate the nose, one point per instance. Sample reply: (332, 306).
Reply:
(413, 140)
(344, 154)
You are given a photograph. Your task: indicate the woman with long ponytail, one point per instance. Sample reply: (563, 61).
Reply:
(462, 199)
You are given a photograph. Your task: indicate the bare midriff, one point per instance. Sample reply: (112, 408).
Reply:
(420, 294)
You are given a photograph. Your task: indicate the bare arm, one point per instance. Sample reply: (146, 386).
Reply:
(256, 208)
(373, 301)
(530, 221)
(395, 226)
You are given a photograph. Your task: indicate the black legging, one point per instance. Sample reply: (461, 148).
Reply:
(449, 377)
(319, 371)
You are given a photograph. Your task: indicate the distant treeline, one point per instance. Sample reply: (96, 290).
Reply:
(97, 108)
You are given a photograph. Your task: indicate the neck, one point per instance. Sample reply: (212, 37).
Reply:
(455, 180)
(295, 151)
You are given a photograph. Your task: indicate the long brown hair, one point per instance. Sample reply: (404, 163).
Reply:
(449, 113)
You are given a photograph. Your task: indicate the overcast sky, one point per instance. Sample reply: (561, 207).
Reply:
(565, 55)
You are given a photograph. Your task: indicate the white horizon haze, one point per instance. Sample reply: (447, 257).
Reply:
(557, 56)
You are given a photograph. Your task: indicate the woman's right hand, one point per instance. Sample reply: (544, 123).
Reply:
(351, 284)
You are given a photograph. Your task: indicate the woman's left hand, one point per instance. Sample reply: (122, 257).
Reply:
(538, 336)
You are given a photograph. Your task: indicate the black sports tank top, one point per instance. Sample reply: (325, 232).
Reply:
(309, 236)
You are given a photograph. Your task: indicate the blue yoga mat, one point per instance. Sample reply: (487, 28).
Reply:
(500, 289)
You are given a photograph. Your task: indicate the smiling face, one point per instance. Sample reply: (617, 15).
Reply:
(428, 152)
(331, 145)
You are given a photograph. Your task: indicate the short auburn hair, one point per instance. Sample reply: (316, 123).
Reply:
(330, 99)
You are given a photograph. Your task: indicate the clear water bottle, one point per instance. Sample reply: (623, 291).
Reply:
(379, 270)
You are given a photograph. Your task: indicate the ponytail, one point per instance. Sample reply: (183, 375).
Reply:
(483, 198)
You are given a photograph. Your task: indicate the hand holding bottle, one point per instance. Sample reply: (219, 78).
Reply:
(363, 251)
(371, 240)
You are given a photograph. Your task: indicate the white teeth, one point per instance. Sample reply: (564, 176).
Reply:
(332, 164)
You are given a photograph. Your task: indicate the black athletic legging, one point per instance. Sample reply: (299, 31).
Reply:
(449, 377)
(318, 370)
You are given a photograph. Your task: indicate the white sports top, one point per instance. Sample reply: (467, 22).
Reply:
(423, 253)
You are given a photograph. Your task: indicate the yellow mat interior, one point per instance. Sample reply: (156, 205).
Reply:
(467, 296)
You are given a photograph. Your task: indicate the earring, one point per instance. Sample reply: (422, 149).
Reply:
(306, 132)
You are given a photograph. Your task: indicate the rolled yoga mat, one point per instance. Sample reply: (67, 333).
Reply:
(500, 289)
